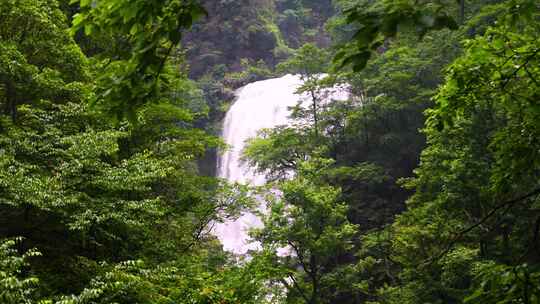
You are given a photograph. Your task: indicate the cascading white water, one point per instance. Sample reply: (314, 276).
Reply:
(262, 104)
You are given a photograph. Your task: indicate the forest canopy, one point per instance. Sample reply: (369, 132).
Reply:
(421, 187)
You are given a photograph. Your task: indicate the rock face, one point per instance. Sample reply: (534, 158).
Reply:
(233, 30)
(253, 30)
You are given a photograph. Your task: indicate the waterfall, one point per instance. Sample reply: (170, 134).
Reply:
(262, 104)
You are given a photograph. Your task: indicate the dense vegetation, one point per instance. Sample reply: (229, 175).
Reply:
(423, 187)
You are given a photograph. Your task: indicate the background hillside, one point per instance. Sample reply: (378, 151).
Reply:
(242, 41)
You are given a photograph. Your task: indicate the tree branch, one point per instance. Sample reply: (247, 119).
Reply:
(298, 288)
(493, 211)
(520, 67)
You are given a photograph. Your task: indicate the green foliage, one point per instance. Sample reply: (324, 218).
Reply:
(251, 72)
(500, 68)
(152, 30)
(504, 284)
(93, 195)
(277, 151)
(118, 212)
(383, 20)
(473, 213)
(135, 282)
(267, 30)
(309, 223)
(374, 140)
(37, 31)
(469, 224)
(15, 287)
(308, 61)
(37, 56)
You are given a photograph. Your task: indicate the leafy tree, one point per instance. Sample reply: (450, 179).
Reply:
(90, 194)
(310, 224)
(277, 152)
(37, 56)
(309, 62)
(474, 206)
(376, 23)
(186, 282)
(425, 256)
(152, 29)
(117, 211)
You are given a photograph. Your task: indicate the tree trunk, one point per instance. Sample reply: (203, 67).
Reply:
(315, 116)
